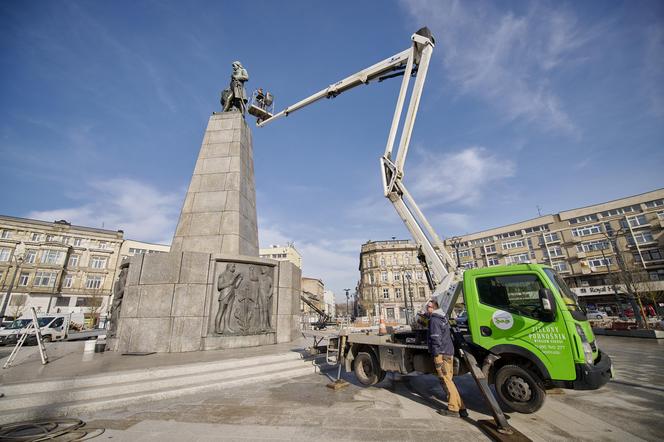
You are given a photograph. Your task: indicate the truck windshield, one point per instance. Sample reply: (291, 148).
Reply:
(570, 298)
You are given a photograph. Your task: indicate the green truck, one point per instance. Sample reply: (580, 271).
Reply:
(527, 332)
(525, 329)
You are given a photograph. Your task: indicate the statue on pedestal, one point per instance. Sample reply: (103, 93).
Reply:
(236, 95)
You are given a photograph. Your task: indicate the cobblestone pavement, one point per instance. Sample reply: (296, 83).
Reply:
(631, 407)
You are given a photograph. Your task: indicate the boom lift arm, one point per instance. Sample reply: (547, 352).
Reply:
(413, 61)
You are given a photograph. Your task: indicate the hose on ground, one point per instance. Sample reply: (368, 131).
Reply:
(64, 429)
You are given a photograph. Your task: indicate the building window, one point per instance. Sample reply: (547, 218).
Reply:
(592, 246)
(469, 265)
(98, 262)
(560, 266)
(513, 244)
(599, 262)
(660, 214)
(397, 292)
(383, 276)
(371, 278)
(620, 211)
(555, 251)
(103, 245)
(73, 260)
(410, 292)
(509, 235)
(650, 255)
(492, 262)
(44, 279)
(386, 293)
(634, 221)
(587, 230)
(6, 234)
(419, 276)
(536, 229)
(515, 259)
(68, 281)
(62, 301)
(406, 259)
(551, 237)
(490, 248)
(51, 256)
(397, 276)
(5, 253)
(421, 292)
(465, 253)
(50, 238)
(94, 281)
(583, 219)
(390, 313)
(78, 242)
(35, 236)
(394, 260)
(30, 256)
(23, 279)
(641, 238)
(382, 261)
(655, 203)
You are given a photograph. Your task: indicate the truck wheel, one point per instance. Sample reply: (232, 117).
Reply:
(46, 339)
(519, 389)
(366, 369)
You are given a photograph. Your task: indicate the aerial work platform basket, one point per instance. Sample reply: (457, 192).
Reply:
(261, 105)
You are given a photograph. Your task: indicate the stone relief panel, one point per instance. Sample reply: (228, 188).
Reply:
(244, 294)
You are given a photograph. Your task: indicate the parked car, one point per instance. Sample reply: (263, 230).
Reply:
(596, 314)
(462, 320)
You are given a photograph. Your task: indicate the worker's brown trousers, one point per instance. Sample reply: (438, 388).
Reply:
(445, 371)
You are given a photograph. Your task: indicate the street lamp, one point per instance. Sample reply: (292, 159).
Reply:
(18, 257)
(456, 242)
(405, 298)
(410, 295)
(347, 296)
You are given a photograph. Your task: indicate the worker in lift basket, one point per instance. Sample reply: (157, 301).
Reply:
(441, 348)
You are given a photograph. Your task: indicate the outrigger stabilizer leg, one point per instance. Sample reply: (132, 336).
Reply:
(501, 425)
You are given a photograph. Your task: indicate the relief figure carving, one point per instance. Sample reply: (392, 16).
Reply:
(227, 285)
(245, 300)
(265, 299)
(118, 294)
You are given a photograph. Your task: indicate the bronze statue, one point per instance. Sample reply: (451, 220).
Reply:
(227, 284)
(236, 96)
(118, 294)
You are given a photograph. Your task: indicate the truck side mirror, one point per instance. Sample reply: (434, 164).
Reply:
(548, 303)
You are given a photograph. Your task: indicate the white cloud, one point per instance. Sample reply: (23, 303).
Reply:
(461, 177)
(334, 261)
(504, 58)
(144, 212)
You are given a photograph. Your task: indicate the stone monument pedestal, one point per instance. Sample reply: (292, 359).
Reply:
(212, 290)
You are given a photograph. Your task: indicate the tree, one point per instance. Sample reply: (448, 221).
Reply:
(17, 304)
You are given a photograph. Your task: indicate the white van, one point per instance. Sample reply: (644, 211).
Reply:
(53, 327)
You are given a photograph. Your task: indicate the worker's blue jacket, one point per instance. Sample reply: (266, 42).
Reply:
(439, 338)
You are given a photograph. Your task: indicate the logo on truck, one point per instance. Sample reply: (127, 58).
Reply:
(502, 319)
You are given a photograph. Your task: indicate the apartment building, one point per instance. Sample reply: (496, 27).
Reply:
(584, 245)
(391, 279)
(282, 253)
(56, 266)
(60, 267)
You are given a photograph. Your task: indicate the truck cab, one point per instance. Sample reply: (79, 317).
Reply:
(527, 316)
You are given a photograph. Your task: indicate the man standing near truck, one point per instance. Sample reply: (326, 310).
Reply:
(441, 348)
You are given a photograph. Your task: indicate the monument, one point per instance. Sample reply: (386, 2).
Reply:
(212, 290)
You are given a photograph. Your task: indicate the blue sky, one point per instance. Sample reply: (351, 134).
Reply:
(549, 104)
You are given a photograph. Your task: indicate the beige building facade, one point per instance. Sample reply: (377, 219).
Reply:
(391, 278)
(60, 267)
(56, 266)
(283, 253)
(584, 245)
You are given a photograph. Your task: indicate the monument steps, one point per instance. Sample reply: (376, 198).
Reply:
(15, 407)
(124, 376)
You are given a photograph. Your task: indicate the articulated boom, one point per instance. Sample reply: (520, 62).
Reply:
(414, 61)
